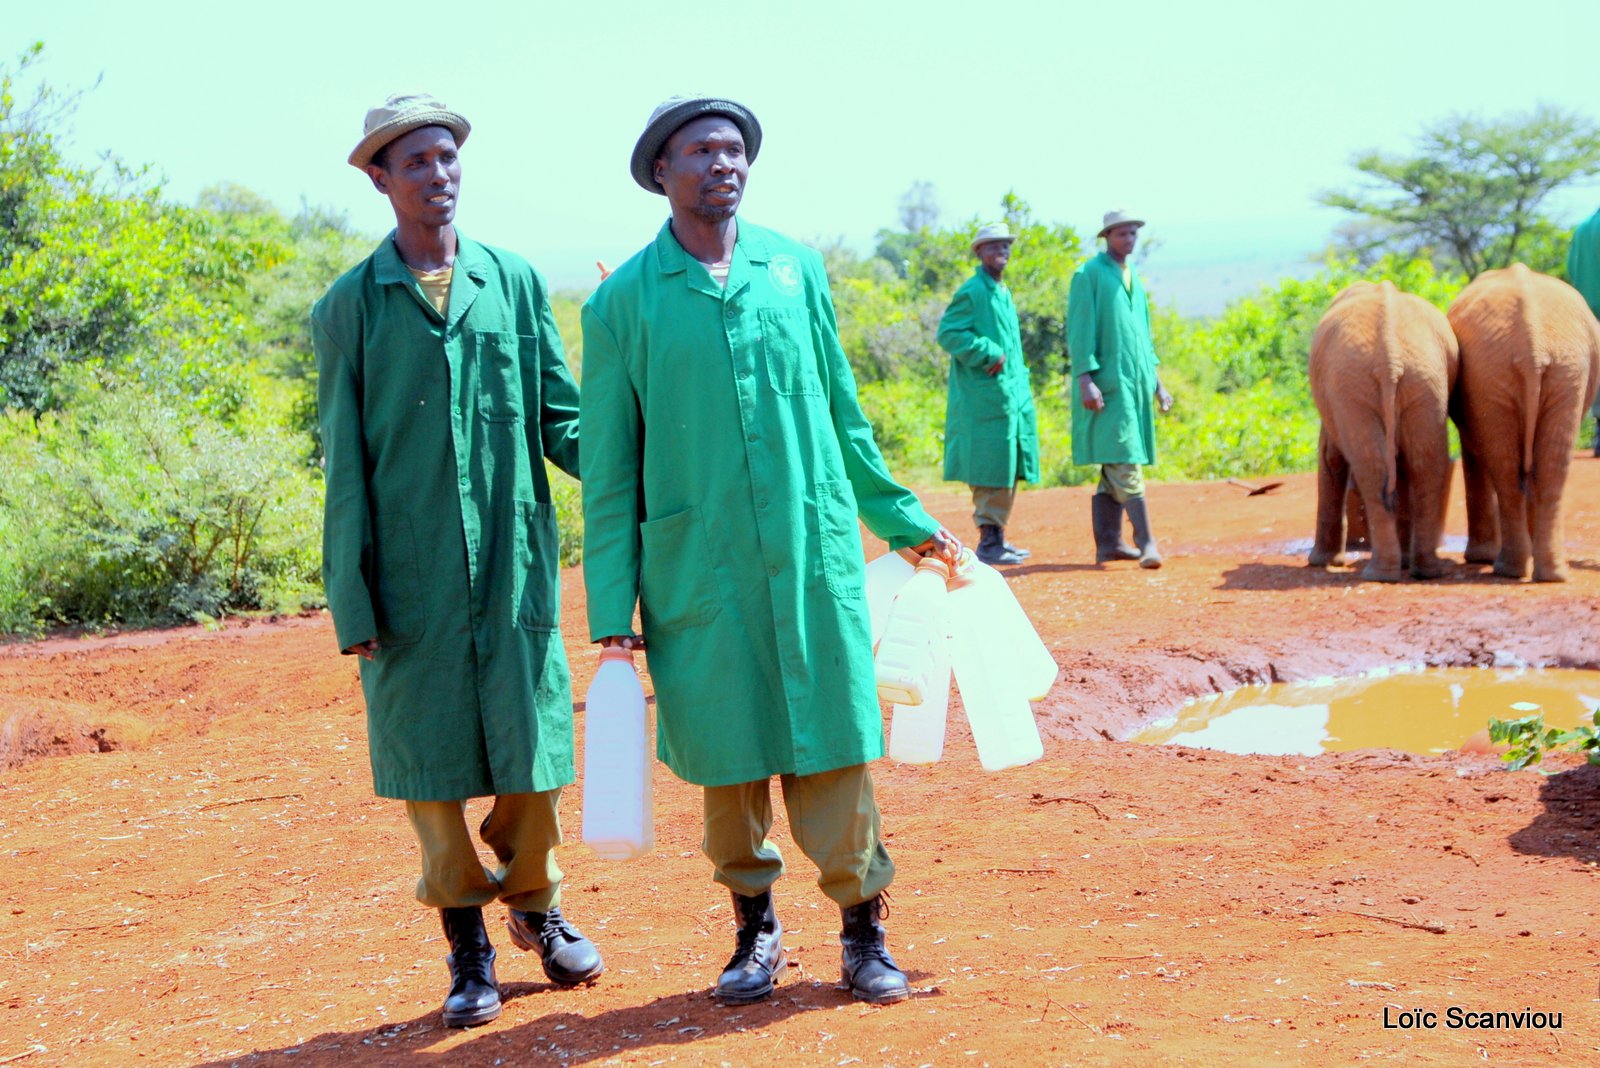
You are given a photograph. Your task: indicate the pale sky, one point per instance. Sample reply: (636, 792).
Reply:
(1218, 122)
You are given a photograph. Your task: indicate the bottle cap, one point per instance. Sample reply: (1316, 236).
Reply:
(616, 652)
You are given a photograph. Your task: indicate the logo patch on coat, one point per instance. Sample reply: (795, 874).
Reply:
(784, 272)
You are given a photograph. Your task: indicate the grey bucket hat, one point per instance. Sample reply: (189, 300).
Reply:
(993, 232)
(399, 115)
(670, 115)
(1117, 217)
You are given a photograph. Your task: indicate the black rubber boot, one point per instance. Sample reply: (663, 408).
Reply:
(865, 961)
(992, 548)
(1139, 516)
(758, 956)
(1106, 515)
(474, 995)
(568, 957)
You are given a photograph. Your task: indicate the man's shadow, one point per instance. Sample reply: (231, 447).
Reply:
(1567, 826)
(565, 1038)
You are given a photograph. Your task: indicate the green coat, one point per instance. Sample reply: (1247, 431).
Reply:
(725, 460)
(440, 538)
(1108, 337)
(991, 437)
(1583, 261)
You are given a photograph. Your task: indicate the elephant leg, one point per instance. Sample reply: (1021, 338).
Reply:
(1552, 456)
(1483, 526)
(1402, 513)
(1384, 564)
(1355, 530)
(1512, 508)
(1427, 466)
(1333, 475)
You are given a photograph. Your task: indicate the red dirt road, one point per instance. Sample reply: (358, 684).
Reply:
(193, 869)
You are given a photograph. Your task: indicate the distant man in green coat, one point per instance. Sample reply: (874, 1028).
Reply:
(991, 436)
(725, 462)
(442, 391)
(1114, 365)
(1583, 271)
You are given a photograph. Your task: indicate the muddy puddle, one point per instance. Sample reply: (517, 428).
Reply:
(1429, 711)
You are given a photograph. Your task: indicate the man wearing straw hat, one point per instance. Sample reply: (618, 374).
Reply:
(1114, 366)
(725, 462)
(991, 440)
(442, 392)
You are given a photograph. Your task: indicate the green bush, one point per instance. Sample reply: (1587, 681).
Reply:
(128, 510)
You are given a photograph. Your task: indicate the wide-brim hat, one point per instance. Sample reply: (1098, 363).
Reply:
(670, 116)
(1117, 218)
(398, 116)
(993, 232)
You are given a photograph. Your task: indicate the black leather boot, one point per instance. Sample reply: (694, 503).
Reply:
(1139, 516)
(1106, 515)
(474, 995)
(758, 956)
(568, 957)
(1017, 550)
(992, 547)
(866, 964)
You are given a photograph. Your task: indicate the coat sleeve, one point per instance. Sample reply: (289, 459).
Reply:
(890, 511)
(958, 334)
(1081, 325)
(347, 513)
(613, 442)
(558, 395)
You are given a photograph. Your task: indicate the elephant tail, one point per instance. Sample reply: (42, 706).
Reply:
(1532, 371)
(1388, 386)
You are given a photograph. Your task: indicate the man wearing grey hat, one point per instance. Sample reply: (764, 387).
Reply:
(725, 463)
(442, 392)
(1114, 364)
(991, 440)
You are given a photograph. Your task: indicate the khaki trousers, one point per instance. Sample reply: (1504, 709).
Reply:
(991, 505)
(522, 829)
(1122, 481)
(833, 818)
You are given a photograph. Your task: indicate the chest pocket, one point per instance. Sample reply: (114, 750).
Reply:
(499, 360)
(787, 347)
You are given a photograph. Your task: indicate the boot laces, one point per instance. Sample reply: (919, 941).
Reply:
(555, 927)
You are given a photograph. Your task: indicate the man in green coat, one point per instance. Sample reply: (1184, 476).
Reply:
(1114, 364)
(991, 437)
(1583, 271)
(442, 391)
(725, 462)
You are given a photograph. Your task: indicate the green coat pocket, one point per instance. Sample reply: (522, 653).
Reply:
(677, 585)
(537, 562)
(397, 583)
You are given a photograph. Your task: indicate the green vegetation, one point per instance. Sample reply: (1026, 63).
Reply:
(1529, 740)
(158, 390)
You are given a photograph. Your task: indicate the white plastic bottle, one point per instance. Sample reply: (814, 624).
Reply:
(916, 732)
(977, 587)
(885, 576)
(908, 651)
(989, 672)
(618, 801)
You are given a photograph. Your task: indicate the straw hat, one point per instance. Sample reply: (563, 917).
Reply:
(1117, 217)
(399, 115)
(671, 115)
(993, 232)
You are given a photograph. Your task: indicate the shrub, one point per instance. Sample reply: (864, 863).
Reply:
(127, 510)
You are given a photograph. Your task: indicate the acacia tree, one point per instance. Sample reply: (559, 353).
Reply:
(1471, 193)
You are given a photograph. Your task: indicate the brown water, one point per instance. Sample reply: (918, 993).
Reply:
(1431, 710)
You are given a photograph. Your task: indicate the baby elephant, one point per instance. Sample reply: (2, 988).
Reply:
(1382, 366)
(1530, 359)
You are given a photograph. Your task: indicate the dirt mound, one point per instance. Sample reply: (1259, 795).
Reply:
(205, 877)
